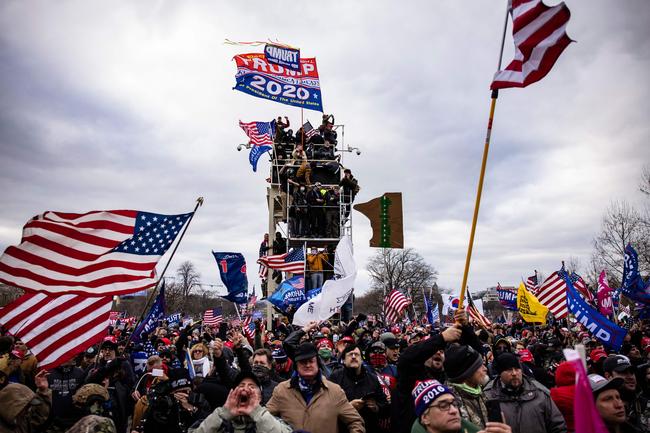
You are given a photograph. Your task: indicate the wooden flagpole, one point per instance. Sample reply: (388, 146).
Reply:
(486, 148)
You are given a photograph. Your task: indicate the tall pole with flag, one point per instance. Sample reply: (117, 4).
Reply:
(540, 37)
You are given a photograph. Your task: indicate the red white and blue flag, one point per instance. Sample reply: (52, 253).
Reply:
(260, 136)
(293, 261)
(394, 305)
(539, 33)
(57, 327)
(212, 317)
(95, 254)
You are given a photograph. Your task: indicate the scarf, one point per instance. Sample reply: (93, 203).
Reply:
(468, 389)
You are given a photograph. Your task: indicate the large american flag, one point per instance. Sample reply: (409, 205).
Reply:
(539, 33)
(212, 317)
(97, 253)
(259, 133)
(552, 293)
(394, 305)
(293, 261)
(57, 327)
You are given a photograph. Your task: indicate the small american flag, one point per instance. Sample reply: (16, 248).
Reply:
(97, 253)
(475, 314)
(394, 305)
(259, 133)
(248, 326)
(309, 130)
(293, 261)
(531, 283)
(581, 287)
(212, 317)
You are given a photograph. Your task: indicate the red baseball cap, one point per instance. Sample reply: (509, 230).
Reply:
(526, 356)
(597, 354)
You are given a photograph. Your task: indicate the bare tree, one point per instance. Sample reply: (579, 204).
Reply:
(178, 291)
(402, 269)
(573, 264)
(621, 225)
(644, 186)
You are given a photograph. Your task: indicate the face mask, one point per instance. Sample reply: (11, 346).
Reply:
(261, 372)
(378, 360)
(325, 354)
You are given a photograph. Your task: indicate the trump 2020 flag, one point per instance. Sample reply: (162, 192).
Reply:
(257, 77)
(97, 253)
(507, 297)
(156, 313)
(232, 268)
(603, 329)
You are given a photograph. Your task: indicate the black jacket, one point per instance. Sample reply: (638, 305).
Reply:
(365, 385)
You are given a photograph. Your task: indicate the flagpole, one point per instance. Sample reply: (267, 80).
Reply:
(199, 203)
(479, 191)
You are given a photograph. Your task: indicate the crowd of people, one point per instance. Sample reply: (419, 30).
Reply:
(359, 376)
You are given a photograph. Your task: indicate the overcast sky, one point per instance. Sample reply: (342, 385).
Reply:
(113, 105)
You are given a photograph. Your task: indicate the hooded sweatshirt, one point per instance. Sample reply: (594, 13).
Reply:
(563, 394)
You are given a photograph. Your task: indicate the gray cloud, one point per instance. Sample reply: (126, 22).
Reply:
(130, 106)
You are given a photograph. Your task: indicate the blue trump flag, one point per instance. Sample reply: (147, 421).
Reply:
(507, 298)
(432, 313)
(602, 328)
(156, 313)
(232, 267)
(633, 285)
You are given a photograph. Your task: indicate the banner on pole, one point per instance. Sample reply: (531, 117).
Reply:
(283, 56)
(257, 77)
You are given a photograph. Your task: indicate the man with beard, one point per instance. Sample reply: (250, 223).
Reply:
(466, 377)
(362, 388)
(619, 366)
(525, 403)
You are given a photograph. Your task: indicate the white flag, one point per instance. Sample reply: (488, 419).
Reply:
(335, 292)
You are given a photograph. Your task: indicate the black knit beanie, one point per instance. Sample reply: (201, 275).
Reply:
(506, 361)
(461, 362)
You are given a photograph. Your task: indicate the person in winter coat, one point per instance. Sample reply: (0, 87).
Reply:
(64, 381)
(22, 410)
(563, 394)
(362, 388)
(242, 411)
(217, 384)
(263, 370)
(466, 377)
(525, 403)
(308, 400)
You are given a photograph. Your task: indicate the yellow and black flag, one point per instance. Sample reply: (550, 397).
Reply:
(385, 215)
